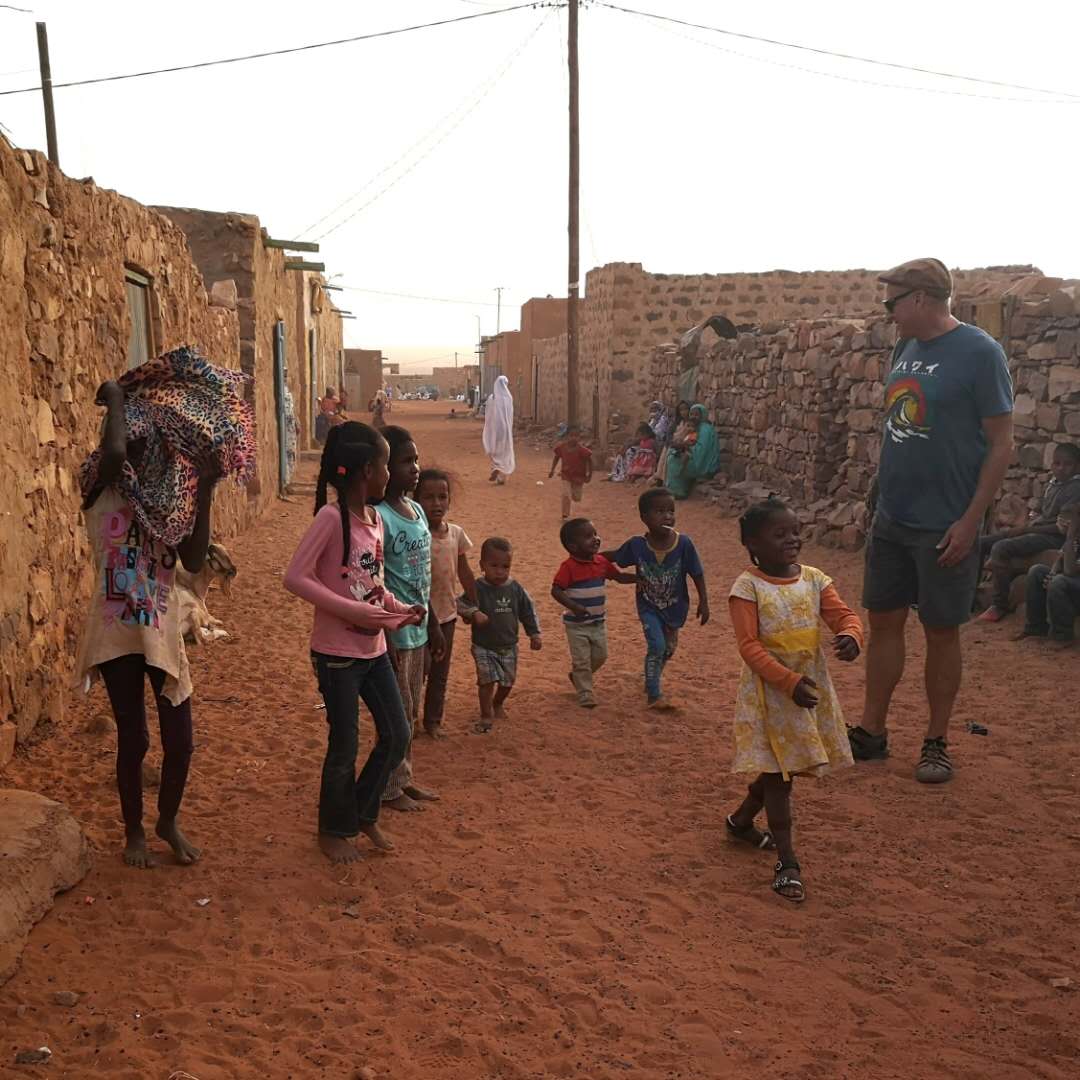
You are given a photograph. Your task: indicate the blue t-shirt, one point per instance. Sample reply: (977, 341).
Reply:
(661, 586)
(936, 398)
(407, 564)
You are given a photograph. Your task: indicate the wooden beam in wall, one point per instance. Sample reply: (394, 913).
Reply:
(290, 245)
(300, 264)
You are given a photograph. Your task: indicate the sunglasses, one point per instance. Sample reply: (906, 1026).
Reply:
(891, 304)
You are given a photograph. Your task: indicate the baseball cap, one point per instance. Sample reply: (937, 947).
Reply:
(930, 275)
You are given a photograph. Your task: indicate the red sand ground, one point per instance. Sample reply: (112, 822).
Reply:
(572, 907)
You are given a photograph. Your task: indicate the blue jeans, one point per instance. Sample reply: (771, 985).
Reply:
(660, 643)
(347, 801)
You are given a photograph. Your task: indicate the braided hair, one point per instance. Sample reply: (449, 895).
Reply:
(753, 521)
(356, 446)
(350, 431)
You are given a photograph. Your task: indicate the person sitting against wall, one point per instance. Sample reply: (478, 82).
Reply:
(1042, 532)
(678, 428)
(637, 460)
(1053, 592)
(656, 426)
(697, 459)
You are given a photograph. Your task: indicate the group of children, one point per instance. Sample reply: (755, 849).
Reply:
(388, 576)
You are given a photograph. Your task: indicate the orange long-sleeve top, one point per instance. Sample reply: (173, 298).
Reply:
(838, 617)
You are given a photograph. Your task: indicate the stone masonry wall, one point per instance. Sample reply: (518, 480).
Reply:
(628, 311)
(64, 329)
(799, 407)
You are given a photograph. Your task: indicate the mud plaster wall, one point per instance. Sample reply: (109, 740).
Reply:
(64, 329)
(315, 312)
(799, 407)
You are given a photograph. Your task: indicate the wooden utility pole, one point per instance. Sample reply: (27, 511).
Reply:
(46, 92)
(498, 308)
(573, 267)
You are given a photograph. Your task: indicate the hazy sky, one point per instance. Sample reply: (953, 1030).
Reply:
(694, 159)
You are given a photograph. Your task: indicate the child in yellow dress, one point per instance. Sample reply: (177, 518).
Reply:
(788, 720)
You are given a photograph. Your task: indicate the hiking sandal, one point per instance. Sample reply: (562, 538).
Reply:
(935, 766)
(787, 877)
(750, 834)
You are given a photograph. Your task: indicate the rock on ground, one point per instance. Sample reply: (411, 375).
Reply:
(42, 852)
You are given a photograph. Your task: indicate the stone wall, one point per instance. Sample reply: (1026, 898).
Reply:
(799, 406)
(628, 311)
(64, 328)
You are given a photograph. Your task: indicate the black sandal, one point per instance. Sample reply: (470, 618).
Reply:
(787, 877)
(750, 834)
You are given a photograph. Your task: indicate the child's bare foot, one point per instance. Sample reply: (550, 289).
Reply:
(662, 704)
(434, 729)
(403, 803)
(185, 851)
(135, 852)
(483, 725)
(421, 794)
(338, 850)
(377, 837)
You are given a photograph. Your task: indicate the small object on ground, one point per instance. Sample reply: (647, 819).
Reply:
(88, 901)
(977, 729)
(1063, 983)
(353, 912)
(364, 1073)
(203, 902)
(33, 1057)
(66, 998)
(321, 705)
(539, 483)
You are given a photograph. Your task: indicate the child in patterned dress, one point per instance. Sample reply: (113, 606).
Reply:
(788, 720)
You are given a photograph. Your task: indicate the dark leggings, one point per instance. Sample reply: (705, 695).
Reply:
(123, 679)
(438, 674)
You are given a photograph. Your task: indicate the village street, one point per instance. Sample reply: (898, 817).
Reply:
(571, 907)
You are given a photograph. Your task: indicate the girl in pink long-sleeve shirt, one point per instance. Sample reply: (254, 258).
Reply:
(338, 569)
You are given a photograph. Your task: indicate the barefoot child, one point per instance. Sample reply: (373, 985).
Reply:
(576, 467)
(503, 605)
(580, 587)
(338, 568)
(664, 559)
(449, 565)
(787, 717)
(408, 574)
(146, 503)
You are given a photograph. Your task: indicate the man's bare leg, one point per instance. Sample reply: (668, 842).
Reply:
(500, 699)
(944, 667)
(884, 666)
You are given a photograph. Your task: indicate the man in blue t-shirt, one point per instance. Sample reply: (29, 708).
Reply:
(945, 449)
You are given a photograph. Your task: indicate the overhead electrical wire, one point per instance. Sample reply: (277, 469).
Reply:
(1059, 94)
(413, 296)
(484, 89)
(284, 52)
(438, 142)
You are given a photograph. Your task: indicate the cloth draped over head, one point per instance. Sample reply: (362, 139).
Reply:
(499, 427)
(701, 461)
(192, 416)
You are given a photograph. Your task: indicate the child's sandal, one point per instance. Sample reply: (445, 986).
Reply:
(787, 877)
(750, 834)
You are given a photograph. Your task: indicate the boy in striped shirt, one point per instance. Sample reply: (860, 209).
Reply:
(580, 586)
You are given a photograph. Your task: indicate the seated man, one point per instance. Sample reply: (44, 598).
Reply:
(1053, 593)
(1040, 534)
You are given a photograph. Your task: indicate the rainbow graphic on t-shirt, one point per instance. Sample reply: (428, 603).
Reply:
(906, 409)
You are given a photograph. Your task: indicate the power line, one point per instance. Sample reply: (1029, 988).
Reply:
(862, 82)
(283, 52)
(838, 55)
(435, 145)
(413, 296)
(484, 88)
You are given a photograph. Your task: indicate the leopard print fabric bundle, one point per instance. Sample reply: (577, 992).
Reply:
(192, 415)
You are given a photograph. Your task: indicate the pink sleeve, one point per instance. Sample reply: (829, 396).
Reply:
(302, 580)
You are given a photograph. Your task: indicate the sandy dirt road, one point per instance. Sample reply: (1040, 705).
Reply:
(571, 908)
